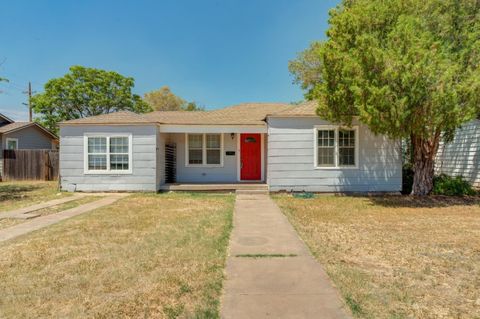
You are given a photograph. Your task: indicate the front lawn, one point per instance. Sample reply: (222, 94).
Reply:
(146, 256)
(19, 194)
(395, 257)
(8, 222)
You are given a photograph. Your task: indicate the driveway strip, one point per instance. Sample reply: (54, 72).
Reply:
(33, 208)
(270, 272)
(44, 221)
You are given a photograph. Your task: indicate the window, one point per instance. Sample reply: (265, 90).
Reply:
(214, 149)
(346, 148)
(195, 149)
(204, 150)
(108, 154)
(336, 147)
(12, 143)
(326, 148)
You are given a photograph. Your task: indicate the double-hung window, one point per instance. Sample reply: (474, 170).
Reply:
(204, 150)
(108, 154)
(336, 147)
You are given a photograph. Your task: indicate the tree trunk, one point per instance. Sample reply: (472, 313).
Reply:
(424, 152)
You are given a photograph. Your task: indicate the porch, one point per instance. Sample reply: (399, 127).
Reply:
(213, 158)
(210, 187)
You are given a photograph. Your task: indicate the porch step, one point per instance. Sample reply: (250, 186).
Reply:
(214, 187)
(252, 191)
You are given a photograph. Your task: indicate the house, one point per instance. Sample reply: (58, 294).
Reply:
(23, 135)
(461, 156)
(281, 146)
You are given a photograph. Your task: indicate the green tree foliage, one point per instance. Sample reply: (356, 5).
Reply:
(85, 92)
(164, 99)
(406, 68)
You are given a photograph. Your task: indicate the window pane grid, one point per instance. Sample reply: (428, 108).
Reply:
(195, 149)
(108, 153)
(97, 145)
(213, 149)
(346, 147)
(204, 149)
(336, 147)
(326, 148)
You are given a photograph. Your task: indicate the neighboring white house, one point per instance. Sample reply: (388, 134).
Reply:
(461, 157)
(284, 147)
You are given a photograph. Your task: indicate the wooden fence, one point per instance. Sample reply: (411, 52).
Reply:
(30, 165)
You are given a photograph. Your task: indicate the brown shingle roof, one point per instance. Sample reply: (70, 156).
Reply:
(14, 126)
(121, 117)
(21, 125)
(241, 114)
(305, 109)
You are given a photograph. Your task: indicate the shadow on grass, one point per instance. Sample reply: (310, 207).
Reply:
(12, 192)
(424, 202)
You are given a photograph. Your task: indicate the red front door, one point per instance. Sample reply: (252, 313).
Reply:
(250, 157)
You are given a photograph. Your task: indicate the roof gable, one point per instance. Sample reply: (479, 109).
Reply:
(5, 119)
(16, 126)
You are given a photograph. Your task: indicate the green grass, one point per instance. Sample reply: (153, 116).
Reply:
(15, 195)
(146, 256)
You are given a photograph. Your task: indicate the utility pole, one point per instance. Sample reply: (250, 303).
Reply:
(29, 92)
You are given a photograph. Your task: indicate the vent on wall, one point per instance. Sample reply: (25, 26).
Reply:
(170, 163)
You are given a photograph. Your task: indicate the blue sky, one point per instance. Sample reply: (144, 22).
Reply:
(216, 53)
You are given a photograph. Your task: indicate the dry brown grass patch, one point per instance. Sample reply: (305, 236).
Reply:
(144, 256)
(396, 257)
(19, 194)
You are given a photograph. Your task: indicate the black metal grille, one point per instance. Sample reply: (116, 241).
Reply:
(170, 163)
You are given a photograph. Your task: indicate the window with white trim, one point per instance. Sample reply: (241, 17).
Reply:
(326, 148)
(195, 149)
(346, 148)
(108, 154)
(204, 150)
(336, 147)
(12, 143)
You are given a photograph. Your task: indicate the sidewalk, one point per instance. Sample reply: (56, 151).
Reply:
(270, 272)
(44, 221)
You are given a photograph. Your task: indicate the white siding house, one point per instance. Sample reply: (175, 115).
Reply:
(294, 163)
(280, 146)
(139, 158)
(461, 157)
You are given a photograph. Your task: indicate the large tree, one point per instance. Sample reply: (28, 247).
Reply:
(405, 68)
(164, 99)
(85, 92)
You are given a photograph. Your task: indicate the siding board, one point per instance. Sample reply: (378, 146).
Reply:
(461, 156)
(291, 161)
(144, 160)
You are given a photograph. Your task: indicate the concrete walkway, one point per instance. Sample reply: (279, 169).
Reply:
(24, 212)
(44, 221)
(270, 272)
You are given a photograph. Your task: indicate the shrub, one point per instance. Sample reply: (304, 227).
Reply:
(451, 186)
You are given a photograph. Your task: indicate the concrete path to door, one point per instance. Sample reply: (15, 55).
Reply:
(270, 272)
(47, 220)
